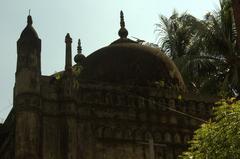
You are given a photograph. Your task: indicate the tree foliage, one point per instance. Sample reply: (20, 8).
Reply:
(205, 51)
(219, 138)
(207, 55)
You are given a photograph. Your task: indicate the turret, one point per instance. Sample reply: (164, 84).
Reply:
(28, 60)
(27, 101)
(68, 62)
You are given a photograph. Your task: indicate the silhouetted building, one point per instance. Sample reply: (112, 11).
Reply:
(124, 101)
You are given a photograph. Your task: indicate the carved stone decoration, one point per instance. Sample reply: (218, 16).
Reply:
(147, 135)
(167, 137)
(157, 137)
(177, 138)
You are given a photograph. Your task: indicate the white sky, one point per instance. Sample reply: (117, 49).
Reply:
(96, 22)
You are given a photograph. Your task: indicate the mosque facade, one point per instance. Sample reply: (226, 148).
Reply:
(126, 100)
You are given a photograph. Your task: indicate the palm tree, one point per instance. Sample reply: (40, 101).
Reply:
(219, 39)
(204, 50)
(175, 33)
(180, 40)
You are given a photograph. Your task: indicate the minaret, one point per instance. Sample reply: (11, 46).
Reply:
(28, 60)
(68, 62)
(27, 94)
(236, 11)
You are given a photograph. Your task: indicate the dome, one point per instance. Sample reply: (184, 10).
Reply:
(79, 58)
(128, 62)
(29, 32)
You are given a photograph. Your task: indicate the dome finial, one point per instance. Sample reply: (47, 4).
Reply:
(123, 33)
(29, 18)
(122, 23)
(79, 58)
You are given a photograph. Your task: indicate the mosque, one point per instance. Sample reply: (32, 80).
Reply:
(125, 100)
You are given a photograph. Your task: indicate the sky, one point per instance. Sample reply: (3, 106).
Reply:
(95, 22)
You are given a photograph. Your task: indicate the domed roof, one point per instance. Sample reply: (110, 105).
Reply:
(132, 63)
(29, 32)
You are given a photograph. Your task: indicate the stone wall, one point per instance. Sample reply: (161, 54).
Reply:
(7, 137)
(117, 122)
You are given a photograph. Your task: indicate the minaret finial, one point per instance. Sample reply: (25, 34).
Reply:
(79, 47)
(123, 33)
(29, 18)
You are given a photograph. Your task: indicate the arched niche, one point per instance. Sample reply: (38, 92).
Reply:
(148, 135)
(167, 137)
(177, 138)
(157, 136)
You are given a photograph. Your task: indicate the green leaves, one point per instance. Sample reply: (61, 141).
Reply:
(220, 138)
(205, 50)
